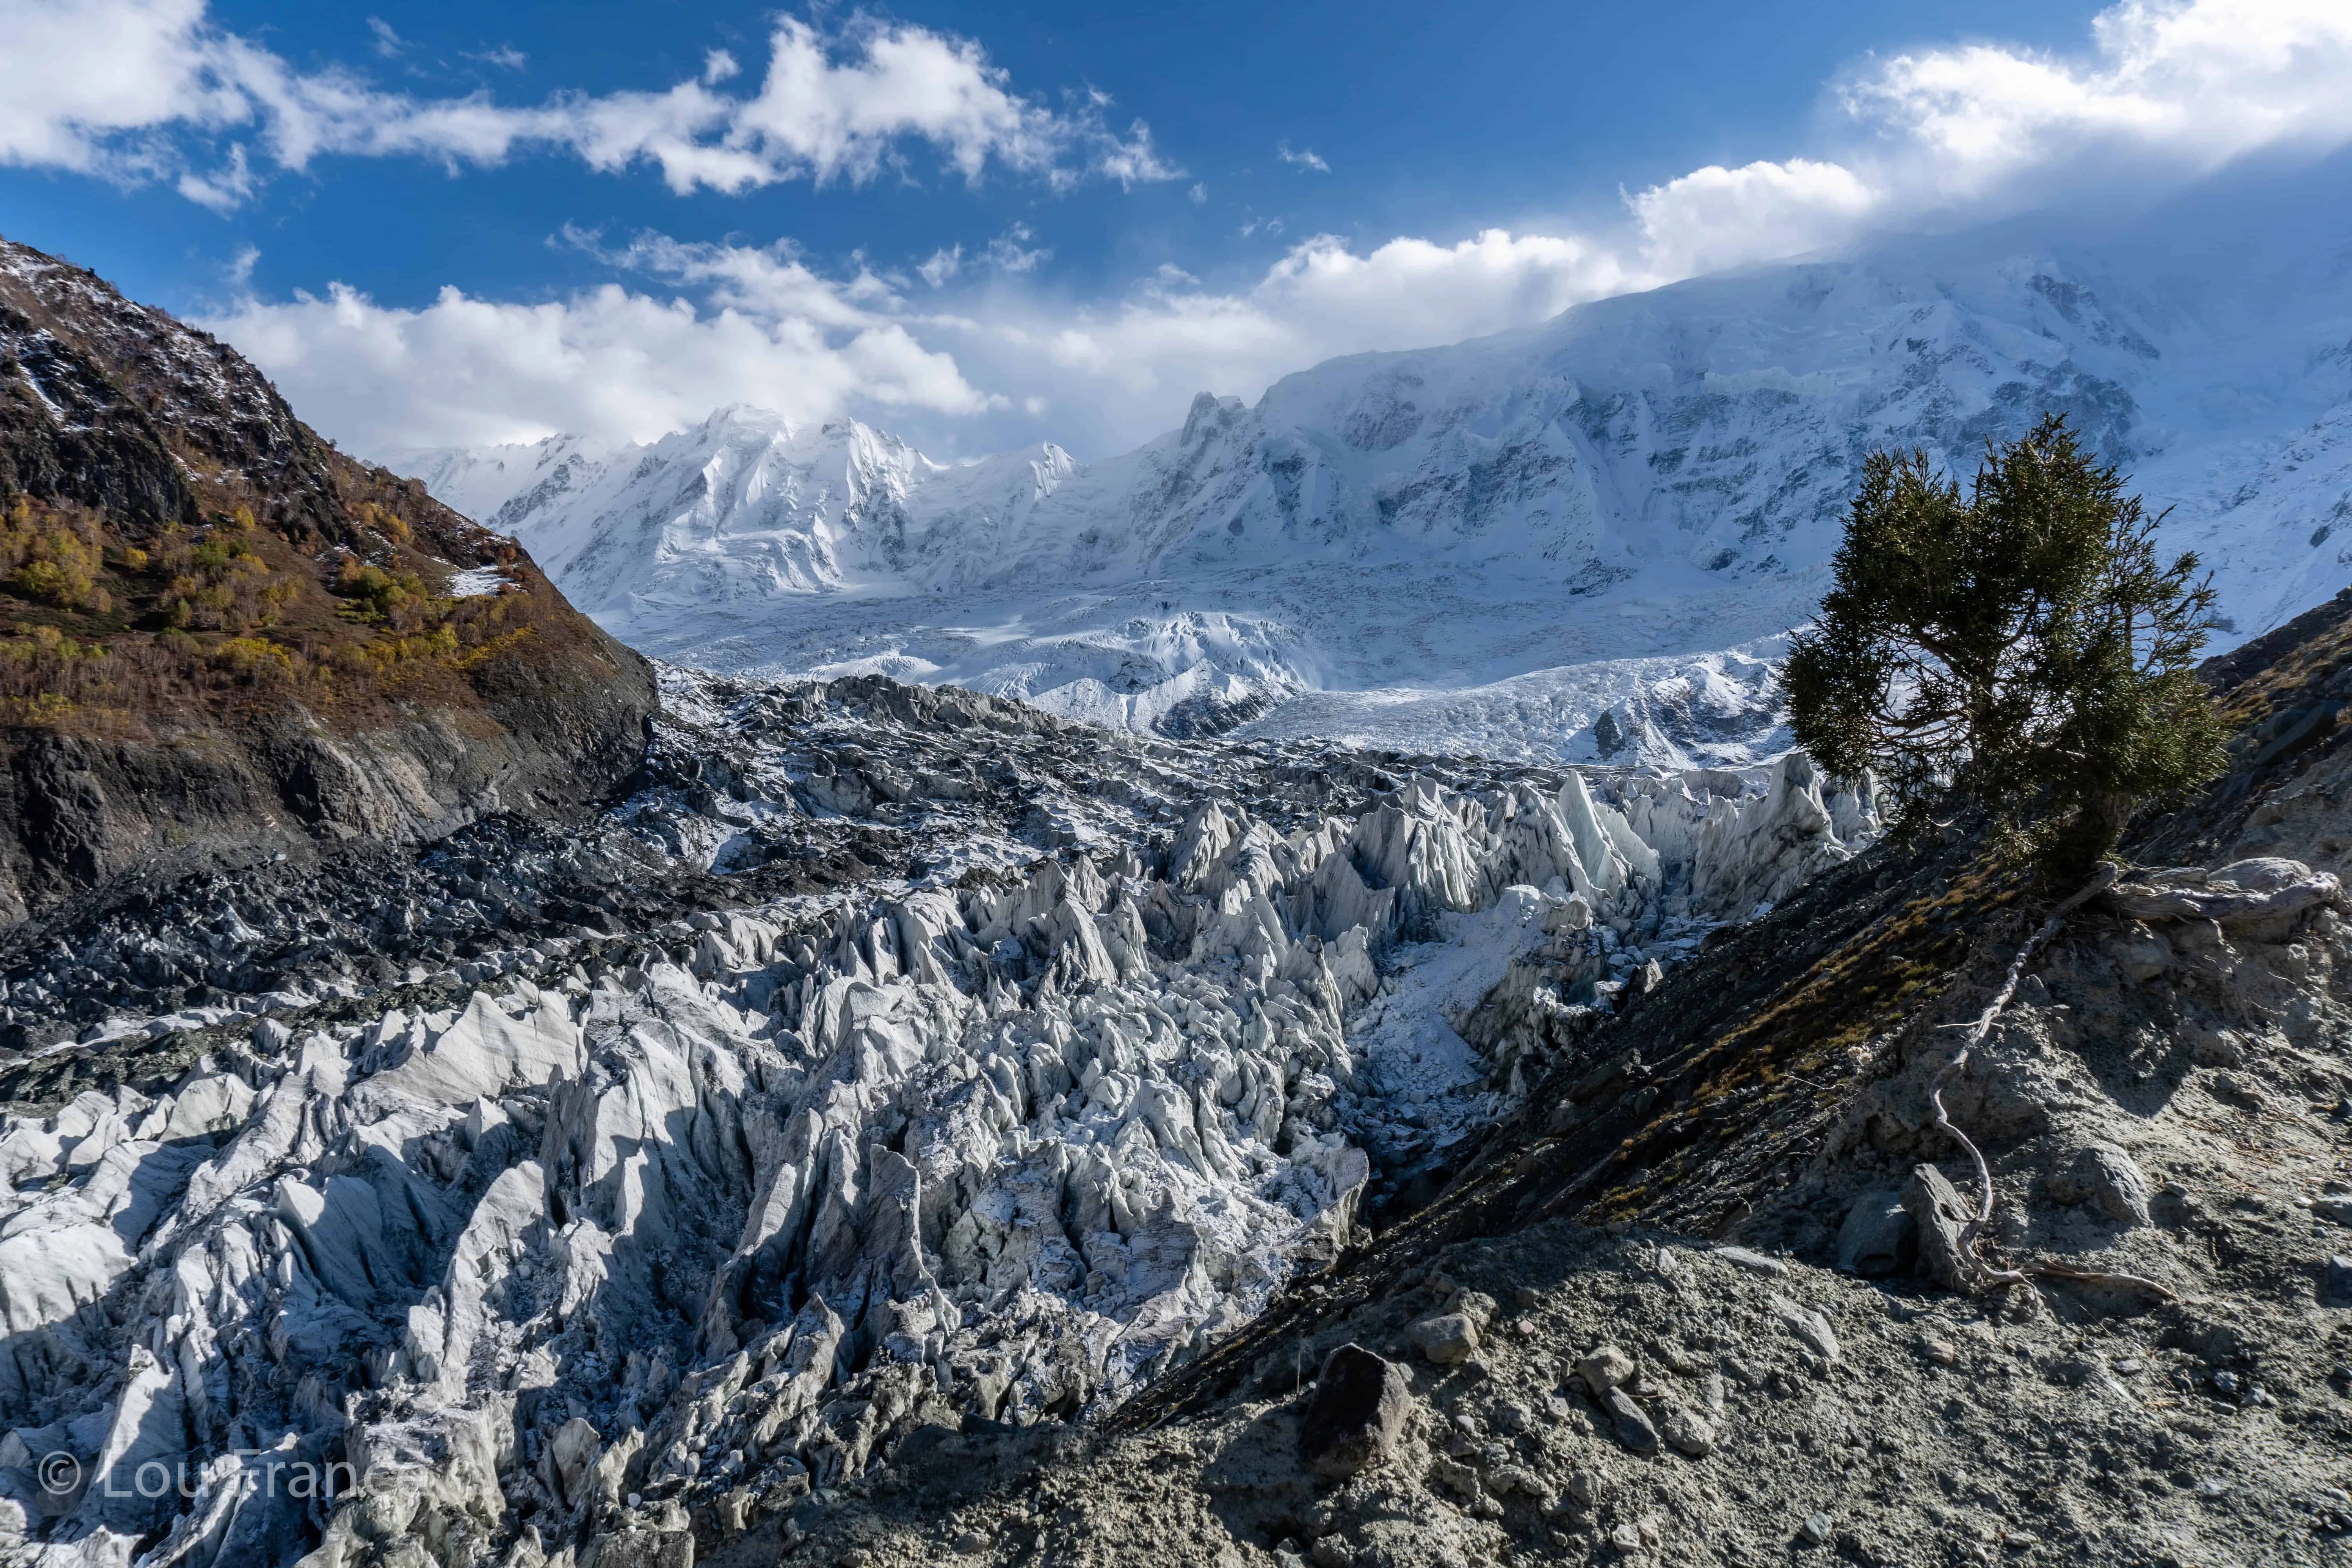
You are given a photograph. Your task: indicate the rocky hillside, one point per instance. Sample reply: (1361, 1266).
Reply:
(219, 635)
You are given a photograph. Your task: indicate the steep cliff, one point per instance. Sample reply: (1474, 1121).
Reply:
(221, 637)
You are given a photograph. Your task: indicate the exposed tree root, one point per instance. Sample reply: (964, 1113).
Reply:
(2050, 1269)
(1972, 1272)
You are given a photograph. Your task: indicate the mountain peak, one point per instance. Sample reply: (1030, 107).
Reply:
(1646, 488)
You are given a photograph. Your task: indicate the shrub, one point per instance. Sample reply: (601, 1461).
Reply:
(376, 595)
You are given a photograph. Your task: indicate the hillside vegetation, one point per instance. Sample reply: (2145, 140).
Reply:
(212, 621)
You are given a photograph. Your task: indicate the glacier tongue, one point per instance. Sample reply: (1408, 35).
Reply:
(607, 1232)
(1492, 546)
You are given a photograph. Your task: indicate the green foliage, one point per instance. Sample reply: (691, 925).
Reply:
(376, 595)
(52, 556)
(220, 583)
(2022, 648)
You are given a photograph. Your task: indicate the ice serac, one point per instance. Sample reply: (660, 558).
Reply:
(1584, 541)
(619, 1232)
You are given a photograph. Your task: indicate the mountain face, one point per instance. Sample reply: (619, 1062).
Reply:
(1460, 549)
(219, 635)
(745, 507)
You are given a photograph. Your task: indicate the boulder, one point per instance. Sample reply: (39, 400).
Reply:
(1879, 1236)
(1604, 1369)
(1635, 1428)
(1686, 1430)
(2244, 892)
(1943, 1217)
(2106, 1176)
(1358, 1409)
(1448, 1339)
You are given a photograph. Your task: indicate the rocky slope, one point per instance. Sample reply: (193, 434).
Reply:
(894, 1058)
(220, 637)
(1693, 1301)
(1572, 542)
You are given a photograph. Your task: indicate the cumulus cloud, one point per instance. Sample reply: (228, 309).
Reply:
(1171, 337)
(610, 362)
(133, 89)
(2163, 92)
(2169, 90)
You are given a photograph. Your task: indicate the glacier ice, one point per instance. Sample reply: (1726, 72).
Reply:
(688, 1222)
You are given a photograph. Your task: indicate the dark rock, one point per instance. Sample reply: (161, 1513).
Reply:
(1634, 1427)
(1358, 1410)
(2335, 1282)
(640, 1549)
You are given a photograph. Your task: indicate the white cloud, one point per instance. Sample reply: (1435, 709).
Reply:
(2170, 90)
(609, 362)
(506, 57)
(136, 89)
(2196, 84)
(1303, 158)
(943, 265)
(2165, 92)
(1127, 368)
(1715, 217)
(1011, 251)
(388, 43)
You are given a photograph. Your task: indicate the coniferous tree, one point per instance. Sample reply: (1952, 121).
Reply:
(2021, 647)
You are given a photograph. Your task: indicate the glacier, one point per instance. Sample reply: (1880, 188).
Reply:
(1577, 541)
(603, 1234)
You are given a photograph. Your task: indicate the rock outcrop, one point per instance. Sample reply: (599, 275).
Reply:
(220, 638)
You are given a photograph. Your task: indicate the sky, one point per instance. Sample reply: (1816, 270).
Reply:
(980, 228)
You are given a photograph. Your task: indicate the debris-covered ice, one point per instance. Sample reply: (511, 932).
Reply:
(716, 1211)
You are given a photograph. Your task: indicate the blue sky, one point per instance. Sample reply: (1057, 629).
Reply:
(986, 227)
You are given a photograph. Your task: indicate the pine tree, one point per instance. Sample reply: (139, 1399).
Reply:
(2020, 647)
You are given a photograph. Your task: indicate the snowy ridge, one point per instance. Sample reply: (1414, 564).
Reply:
(1388, 546)
(747, 506)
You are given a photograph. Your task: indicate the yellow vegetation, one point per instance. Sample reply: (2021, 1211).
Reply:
(54, 557)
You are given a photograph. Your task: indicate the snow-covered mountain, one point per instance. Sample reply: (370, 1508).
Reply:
(746, 506)
(1573, 541)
